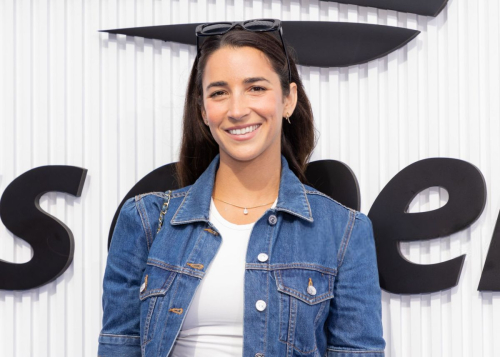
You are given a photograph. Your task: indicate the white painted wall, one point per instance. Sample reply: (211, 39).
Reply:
(70, 95)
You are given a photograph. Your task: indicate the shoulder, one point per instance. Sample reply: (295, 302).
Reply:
(151, 203)
(321, 200)
(158, 196)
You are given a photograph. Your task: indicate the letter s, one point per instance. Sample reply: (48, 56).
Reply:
(51, 240)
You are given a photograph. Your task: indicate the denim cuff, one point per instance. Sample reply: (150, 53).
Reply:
(340, 352)
(119, 345)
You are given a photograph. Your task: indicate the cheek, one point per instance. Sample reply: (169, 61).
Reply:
(214, 111)
(269, 106)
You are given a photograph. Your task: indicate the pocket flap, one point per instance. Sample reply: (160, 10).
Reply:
(309, 286)
(155, 281)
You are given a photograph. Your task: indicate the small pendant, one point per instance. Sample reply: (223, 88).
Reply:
(245, 211)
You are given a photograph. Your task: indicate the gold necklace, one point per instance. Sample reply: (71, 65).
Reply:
(245, 211)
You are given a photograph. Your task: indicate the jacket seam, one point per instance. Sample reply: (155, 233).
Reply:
(139, 203)
(165, 266)
(172, 221)
(346, 350)
(331, 199)
(113, 335)
(279, 266)
(346, 238)
(307, 201)
(162, 194)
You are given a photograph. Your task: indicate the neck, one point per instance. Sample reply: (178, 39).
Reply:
(248, 183)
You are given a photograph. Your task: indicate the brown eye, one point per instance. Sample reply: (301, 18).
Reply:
(258, 89)
(216, 94)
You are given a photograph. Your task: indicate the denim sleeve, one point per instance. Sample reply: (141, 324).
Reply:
(355, 317)
(127, 256)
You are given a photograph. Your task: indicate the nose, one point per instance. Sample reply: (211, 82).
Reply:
(238, 107)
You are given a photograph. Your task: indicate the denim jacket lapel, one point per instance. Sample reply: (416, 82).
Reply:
(195, 207)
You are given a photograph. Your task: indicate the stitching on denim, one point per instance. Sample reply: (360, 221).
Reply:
(165, 266)
(113, 335)
(161, 194)
(345, 238)
(160, 291)
(292, 302)
(270, 231)
(301, 296)
(139, 204)
(307, 201)
(279, 266)
(168, 315)
(172, 221)
(291, 324)
(331, 199)
(320, 311)
(281, 296)
(344, 350)
(295, 214)
(299, 350)
(151, 307)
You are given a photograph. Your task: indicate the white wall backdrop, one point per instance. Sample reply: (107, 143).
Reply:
(111, 104)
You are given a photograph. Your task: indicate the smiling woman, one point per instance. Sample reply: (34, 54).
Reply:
(248, 259)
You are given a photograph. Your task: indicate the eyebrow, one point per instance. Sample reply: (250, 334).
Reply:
(245, 81)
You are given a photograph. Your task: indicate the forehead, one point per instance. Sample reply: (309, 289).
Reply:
(238, 63)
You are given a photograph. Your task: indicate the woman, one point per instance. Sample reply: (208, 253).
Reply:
(245, 259)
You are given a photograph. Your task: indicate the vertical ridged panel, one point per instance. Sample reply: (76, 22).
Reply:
(113, 105)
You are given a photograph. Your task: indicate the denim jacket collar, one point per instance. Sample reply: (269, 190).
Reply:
(195, 207)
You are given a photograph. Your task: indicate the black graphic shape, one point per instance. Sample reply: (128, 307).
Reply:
(490, 278)
(317, 43)
(51, 240)
(392, 224)
(419, 7)
(159, 180)
(335, 179)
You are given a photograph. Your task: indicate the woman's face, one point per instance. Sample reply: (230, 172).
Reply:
(243, 103)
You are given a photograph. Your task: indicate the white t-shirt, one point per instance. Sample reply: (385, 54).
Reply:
(213, 325)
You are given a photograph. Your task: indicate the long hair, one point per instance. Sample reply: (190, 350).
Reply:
(198, 147)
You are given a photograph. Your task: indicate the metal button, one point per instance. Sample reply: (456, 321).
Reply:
(311, 290)
(260, 305)
(272, 220)
(262, 257)
(259, 355)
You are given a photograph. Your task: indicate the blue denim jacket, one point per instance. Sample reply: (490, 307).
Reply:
(309, 239)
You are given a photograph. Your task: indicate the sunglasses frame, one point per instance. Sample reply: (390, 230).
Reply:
(276, 26)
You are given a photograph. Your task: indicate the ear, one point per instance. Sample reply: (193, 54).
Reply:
(290, 100)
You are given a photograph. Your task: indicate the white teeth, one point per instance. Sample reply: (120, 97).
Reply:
(248, 129)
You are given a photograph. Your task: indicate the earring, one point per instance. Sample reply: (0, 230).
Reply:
(287, 117)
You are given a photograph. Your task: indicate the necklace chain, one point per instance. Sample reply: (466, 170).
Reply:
(245, 209)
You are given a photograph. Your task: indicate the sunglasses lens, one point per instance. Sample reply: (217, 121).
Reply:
(217, 28)
(259, 25)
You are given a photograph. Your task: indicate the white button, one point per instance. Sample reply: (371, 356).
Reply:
(311, 290)
(272, 220)
(259, 355)
(260, 305)
(262, 257)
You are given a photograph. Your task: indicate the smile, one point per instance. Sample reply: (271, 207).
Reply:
(243, 131)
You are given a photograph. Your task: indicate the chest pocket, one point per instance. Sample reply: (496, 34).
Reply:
(155, 284)
(305, 296)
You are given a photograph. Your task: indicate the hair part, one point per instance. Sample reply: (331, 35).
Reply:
(199, 148)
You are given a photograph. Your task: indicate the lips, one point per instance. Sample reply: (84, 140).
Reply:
(242, 131)
(245, 133)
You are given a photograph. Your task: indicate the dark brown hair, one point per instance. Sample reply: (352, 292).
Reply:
(198, 147)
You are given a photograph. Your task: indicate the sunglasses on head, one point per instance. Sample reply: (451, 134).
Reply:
(256, 25)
